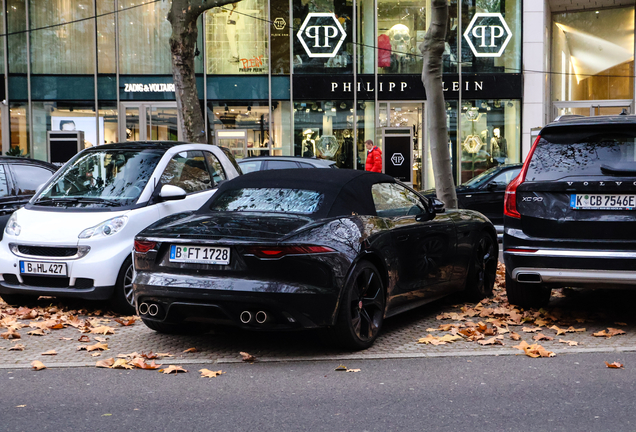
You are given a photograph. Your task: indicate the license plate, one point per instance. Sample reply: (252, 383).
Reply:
(602, 202)
(200, 254)
(43, 268)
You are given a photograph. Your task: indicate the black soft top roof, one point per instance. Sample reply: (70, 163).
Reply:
(345, 191)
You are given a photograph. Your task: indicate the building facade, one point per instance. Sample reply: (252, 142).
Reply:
(314, 77)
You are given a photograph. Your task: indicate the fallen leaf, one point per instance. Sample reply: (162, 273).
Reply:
(37, 365)
(572, 329)
(353, 370)
(609, 333)
(82, 348)
(159, 355)
(105, 330)
(51, 352)
(84, 338)
(125, 323)
(515, 336)
(559, 331)
(10, 334)
(173, 368)
(97, 347)
(491, 341)
(38, 332)
(531, 329)
(541, 336)
(141, 364)
(121, 364)
(107, 363)
(615, 365)
(20, 406)
(620, 323)
(131, 355)
(97, 354)
(190, 350)
(571, 343)
(17, 347)
(207, 373)
(100, 339)
(341, 368)
(247, 357)
(66, 338)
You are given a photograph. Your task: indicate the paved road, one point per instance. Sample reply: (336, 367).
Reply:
(594, 311)
(573, 392)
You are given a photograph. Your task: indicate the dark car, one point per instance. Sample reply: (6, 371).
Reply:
(485, 192)
(294, 249)
(19, 180)
(262, 163)
(570, 214)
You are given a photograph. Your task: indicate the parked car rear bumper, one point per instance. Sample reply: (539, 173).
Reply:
(217, 300)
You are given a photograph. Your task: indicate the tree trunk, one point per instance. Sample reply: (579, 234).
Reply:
(183, 17)
(432, 49)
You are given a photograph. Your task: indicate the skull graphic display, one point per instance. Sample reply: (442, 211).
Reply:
(400, 40)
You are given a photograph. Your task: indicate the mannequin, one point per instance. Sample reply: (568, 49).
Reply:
(498, 144)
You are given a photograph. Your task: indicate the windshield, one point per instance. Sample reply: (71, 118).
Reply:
(109, 178)
(275, 200)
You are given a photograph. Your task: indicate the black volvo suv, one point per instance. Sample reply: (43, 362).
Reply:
(570, 214)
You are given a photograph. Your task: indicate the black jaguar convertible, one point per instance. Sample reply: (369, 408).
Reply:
(293, 249)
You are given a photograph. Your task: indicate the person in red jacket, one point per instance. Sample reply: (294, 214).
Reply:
(374, 157)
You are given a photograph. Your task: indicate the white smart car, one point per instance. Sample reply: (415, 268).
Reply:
(75, 236)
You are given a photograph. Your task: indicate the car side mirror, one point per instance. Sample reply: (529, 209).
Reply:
(492, 186)
(438, 205)
(171, 193)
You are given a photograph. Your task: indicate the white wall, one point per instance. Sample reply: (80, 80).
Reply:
(536, 80)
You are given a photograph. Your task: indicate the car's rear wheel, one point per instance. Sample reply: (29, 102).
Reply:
(362, 309)
(123, 300)
(18, 299)
(483, 268)
(527, 295)
(171, 328)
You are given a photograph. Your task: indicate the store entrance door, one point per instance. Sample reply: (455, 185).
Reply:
(233, 139)
(149, 121)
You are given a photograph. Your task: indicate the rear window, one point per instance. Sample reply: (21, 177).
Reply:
(561, 155)
(275, 200)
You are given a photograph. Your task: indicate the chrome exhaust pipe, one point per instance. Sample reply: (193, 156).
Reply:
(246, 317)
(261, 317)
(153, 309)
(143, 308)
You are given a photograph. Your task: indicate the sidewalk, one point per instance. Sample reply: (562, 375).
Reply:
(593, 311)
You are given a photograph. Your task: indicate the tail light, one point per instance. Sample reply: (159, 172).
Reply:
(144, 246)
(510, 198)
(280, 251)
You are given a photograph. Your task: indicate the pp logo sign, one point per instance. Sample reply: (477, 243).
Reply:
(488, 35)
(397, 159)
(321, 35)
(279, 23)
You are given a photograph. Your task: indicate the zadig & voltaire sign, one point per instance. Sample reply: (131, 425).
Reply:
(149, 88)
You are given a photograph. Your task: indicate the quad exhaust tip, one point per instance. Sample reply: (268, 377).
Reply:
(143, 308)
(246, 317)
(261, 317)
(153, 310)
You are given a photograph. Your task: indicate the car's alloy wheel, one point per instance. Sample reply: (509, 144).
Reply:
(123, 300)
(362, 308)
(483, 270)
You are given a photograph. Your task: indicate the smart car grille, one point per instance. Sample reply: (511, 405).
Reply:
(46, 282)
(47, 251)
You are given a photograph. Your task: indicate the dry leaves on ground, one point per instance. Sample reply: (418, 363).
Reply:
(247, 357)
(172, 369)
(609, 332)
(534, 350)
(190, 350)
(343, 368)
(17, 347)
(615, 365)
(207, 373)
(37, 365)
(50, 353)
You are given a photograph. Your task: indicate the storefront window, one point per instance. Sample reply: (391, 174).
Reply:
(16, 19)
(588, 61)
(491, 36)
(108, 112)
(243, 127)
(236, 38)
(19, 130)
(144, 33)
(401, 28)
(323, 51)
(490, 135)
(324, 129)
(66, 48)
(106, 37)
